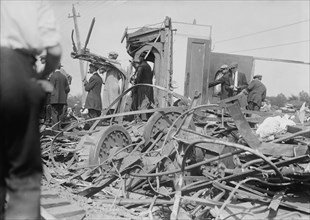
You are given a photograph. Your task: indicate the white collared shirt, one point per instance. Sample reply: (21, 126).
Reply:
(29, 25)
(236, 79)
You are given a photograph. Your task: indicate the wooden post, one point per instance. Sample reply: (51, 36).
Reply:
(78, 41)
(166, 73)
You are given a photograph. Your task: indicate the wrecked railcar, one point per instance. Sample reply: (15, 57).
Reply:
(190, 161)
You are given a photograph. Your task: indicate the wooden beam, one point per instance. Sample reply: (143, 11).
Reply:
(281, 60)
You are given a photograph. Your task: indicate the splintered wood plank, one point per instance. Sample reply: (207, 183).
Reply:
(55, 207)
(66, 211)
(75, 215)
(45, 215)
(49, 196)
(53, 202)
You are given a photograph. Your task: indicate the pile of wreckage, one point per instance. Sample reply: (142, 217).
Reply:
(190, 161)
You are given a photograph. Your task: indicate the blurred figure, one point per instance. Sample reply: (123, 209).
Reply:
(27, 29)
(58, 98)
(266, 106)
(46, 113)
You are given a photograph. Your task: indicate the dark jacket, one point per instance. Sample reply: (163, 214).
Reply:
(225, 82)
(242, 82)
(143, 95)
(61, 88)
(93, 87)
(257, 92)
(144, 74)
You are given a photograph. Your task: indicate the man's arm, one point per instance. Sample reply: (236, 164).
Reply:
(216, 82)
(89, 85)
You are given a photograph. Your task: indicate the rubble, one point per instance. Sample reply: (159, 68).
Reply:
(188, 162)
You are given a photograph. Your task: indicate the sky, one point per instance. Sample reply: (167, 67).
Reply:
(270, 29)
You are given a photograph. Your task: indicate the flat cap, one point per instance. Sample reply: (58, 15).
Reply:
(224, 66)
(233, 65)
(257, 76)
(113, 54)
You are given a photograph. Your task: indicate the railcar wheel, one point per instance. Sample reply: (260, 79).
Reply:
(113, 139)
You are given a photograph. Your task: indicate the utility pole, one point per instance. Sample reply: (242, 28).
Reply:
(79, 49)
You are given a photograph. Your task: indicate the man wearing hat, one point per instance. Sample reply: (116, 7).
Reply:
(93, 99)
(225, 82)
(221, 72)
(143, 96)
(256, 93)
(58, 97)
(238, 79)
(111, 88)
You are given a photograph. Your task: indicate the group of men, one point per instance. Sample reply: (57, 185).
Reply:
(94, 103)
(55, 107)
(23, 94)
(142, 96)
(230, 82)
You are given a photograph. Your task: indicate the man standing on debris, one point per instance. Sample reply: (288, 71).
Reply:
(58, 98)
(27, 29)
(219, 74)
(238, 79)
(256, 93)
(93, 99)
(143, 95)
(111, 88)
(225, 84)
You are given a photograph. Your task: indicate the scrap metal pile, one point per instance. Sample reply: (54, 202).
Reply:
(186, 162)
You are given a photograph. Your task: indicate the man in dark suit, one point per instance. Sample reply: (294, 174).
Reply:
(93, 87)
(143, 95)
(238, 79)
(256, 93)
(226, 85)
(232, 83)
(58, 97)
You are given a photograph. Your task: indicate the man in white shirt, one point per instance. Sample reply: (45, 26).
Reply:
(27, 29)
(239, 81)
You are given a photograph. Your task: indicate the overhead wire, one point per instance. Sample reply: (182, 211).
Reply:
(277, 45)
(263, 31)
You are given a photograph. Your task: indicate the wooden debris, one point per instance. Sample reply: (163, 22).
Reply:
(218, 169)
